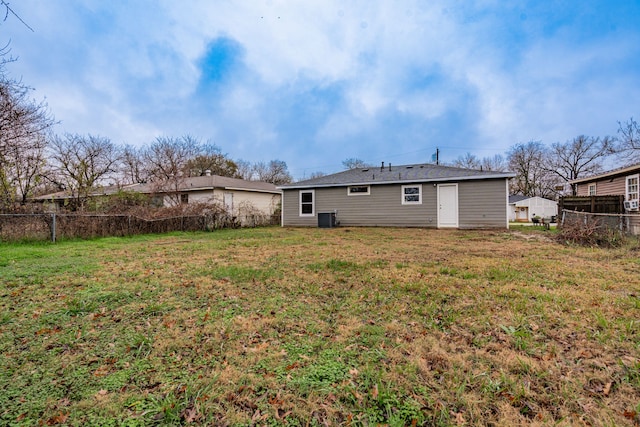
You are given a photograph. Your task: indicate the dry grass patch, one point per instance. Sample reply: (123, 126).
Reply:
(320, 327)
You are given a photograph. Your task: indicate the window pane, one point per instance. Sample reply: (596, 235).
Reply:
(358, 189)
(412, 198)
(307, 197)
(411, 190)
(307, 208)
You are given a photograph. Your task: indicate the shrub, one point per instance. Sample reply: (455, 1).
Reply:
(589, 230)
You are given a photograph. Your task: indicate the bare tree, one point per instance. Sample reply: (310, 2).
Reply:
(468, 161)
(275, 172)
(210, 159)
(496, 163)
(23, 124)
(23, 168)
(579, 157)
(244, 170)
(629, 140)
(166, 161)
(317, 174)
(354, 163)
(532, 177)
(132, 168)
(81, 163)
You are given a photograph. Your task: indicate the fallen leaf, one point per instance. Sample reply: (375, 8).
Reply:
(260, 347)
(102, 371)
(61, 418)
(190, 415)
(374, 391)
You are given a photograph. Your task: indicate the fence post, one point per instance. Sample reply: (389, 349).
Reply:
(53, 227)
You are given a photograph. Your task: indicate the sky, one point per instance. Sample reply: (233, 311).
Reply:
(315, 82)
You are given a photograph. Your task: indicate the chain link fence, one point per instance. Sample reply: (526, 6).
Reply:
(54, 226)
(596, 226)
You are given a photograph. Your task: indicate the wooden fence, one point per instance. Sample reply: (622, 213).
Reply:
(592, 204)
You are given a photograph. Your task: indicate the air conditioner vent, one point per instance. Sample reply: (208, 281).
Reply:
(631, 205)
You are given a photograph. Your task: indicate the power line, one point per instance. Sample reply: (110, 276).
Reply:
(8, 9)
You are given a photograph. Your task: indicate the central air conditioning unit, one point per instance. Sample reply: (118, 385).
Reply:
(327, 220)
(631, 205)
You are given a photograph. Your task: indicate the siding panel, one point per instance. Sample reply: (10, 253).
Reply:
(481, 204)
(604, 187)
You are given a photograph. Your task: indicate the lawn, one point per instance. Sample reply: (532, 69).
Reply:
(345, 326)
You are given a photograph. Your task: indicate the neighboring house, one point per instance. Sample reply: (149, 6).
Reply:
(523, 208)
(420, 195)
(624, 181)
(239, 198)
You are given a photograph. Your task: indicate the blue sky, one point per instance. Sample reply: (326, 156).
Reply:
(315, 82)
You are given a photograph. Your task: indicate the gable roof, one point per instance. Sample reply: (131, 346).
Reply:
(609, 174)
(415, 173)
(197, 183)
(517, 198)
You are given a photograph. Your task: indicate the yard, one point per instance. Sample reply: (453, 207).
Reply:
(342, 326)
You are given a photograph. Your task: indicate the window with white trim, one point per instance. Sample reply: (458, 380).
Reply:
(412, 194)
(632, 187)
(358, 190)
(592, 190)
(307, 203)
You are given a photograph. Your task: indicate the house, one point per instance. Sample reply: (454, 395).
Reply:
(523, 208)
(623, 181)
(418, 195)
(240, 198)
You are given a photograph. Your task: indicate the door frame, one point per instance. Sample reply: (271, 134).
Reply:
(455, 207)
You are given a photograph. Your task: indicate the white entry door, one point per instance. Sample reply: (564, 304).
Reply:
(448, 205)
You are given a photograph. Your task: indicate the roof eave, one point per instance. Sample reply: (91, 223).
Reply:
(605, 175)
(404, 181)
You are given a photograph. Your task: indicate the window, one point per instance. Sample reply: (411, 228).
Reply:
(632, 187)
(184, 199)
(307, 203)
(412, 194)
(358, 190)
(592, 190)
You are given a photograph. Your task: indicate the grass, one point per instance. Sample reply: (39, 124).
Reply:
(320, 327)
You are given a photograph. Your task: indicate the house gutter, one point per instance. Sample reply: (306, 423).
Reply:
(405, 181)
(612, 173)
(230, 188)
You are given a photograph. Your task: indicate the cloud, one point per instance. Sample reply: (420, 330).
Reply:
(315, 82)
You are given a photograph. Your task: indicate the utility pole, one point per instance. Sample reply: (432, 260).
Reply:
(436, 156)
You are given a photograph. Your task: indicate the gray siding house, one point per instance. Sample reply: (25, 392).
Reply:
(420, 195)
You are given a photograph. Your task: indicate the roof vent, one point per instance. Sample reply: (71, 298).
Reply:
(409, 167)
(365, 170)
